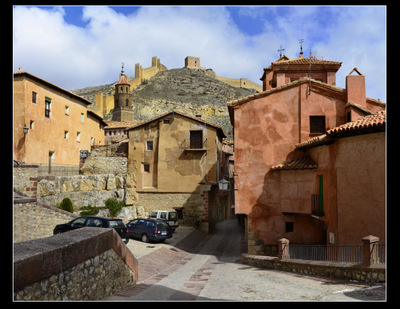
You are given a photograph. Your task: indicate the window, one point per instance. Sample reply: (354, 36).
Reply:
(149, 145)
(66, 110)
(78, 136)
(47, 107)
(78, 222)
(126, 102)
(82, 117)
(31, 125)
(146, 168)
(196, 139)
(66, 133)
(317, 124)
(289, 227)
(34, 97)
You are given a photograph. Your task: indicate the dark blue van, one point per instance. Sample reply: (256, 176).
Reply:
(149, 229)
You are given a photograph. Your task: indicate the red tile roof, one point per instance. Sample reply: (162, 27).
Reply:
(306, 61)
(304, 163)
(368, 124)
(374, 121)
(122, 81)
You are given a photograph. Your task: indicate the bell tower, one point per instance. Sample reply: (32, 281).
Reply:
(122, 99)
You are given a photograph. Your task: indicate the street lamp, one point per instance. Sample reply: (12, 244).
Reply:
(223, 184)
(25, 129)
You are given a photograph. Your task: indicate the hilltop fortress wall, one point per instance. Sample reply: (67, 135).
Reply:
(104, 102)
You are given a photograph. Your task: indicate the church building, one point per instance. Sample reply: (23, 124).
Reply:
(122, 100)
(297, 176)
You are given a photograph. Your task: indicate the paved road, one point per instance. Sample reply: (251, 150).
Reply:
(206, 268)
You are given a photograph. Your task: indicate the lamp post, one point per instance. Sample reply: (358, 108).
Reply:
(25, 129)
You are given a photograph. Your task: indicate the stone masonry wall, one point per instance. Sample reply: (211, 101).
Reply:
(348, 271)
(84, 264)
(105, 165)
(192, 204)
(25, 179)
(83, 190)
(34, 220)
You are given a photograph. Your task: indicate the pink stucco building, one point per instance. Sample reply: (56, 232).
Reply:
(309, 157)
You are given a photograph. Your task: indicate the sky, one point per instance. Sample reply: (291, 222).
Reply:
(75, 46)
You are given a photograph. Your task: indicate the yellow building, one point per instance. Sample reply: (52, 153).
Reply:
(174, 162)
(51, 125)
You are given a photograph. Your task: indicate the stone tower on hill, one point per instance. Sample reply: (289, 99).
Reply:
(122, 100)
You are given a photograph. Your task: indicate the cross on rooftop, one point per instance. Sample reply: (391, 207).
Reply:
(280, 51)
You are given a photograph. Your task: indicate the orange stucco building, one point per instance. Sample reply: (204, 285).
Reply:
(57, 123)
(293, 178)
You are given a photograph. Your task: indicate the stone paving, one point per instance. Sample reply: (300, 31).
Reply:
(203, 267)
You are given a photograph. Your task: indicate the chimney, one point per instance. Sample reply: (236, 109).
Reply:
(355, 86)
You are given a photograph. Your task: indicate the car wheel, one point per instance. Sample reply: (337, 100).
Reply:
(58, 232)
(145, 238)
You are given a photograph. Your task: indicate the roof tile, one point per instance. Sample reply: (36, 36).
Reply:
(304, 163)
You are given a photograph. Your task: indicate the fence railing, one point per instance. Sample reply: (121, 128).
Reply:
(338, 253)
(334, 253)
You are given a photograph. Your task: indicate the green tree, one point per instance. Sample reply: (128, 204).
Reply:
(66, 205)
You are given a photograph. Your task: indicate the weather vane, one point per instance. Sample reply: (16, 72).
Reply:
(280, 51)
(122, 70)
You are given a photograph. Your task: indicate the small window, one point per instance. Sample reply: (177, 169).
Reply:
(317, 124)
(196, 139)
(82, 117)
(166, 121)
(126, 102)
(31, 125)
(78, 136)
(289, 227)
(66, 110)
(34, 97)
(47, 107)
(146, 168)
(149, 145)
(66, 133)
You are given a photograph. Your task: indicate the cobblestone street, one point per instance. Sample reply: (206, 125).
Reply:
(196, 266)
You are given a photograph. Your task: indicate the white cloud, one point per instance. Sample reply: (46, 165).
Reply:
(74, 57)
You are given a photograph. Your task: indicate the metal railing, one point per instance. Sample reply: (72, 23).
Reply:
(379, 254)
(334, 253)
(337, 253)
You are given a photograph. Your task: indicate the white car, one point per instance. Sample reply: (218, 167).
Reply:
(169, 216)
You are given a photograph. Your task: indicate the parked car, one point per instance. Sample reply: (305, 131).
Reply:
(149, 229)
(80, 222)
(169, 216)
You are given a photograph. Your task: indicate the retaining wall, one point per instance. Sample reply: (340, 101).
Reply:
(84, 264)
(350, 271)
(33, 220)
(83, 190)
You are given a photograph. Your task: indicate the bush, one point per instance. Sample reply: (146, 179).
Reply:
(89, 211)
(114, 206)
(66, 205)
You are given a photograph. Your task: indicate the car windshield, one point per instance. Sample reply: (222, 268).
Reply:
(116, 223)
(172, 215)
(153, 214)
(162, 225)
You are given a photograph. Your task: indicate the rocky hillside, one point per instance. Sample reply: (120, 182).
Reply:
(191, 91)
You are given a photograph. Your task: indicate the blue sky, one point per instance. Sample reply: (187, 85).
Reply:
(75, 46)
